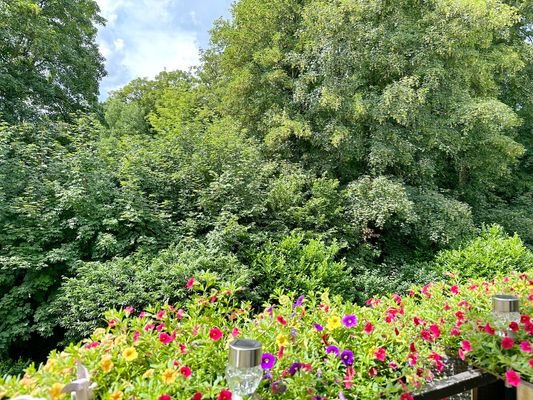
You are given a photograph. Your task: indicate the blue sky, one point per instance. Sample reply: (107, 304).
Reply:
(145, 37)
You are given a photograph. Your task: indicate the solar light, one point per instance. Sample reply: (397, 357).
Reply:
(244, 372)
(505, 309)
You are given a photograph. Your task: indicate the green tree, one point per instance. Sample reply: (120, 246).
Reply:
(49, 60)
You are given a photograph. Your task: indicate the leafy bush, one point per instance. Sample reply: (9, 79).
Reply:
(301, 266)
(311, 345)
(137, 281)
(491, 253)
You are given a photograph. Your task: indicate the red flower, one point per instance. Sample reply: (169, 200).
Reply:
(489, 329)
(507, 343)
(197, 396)
(455, 331)
(160, 314)
(281, 320)
(411, 359)
(224, 395)
(418, 321)
(461, 354)
(183, 349)
(512, 378)
(525, 319)
(380, 354)
(406, 396)
(525, 346)
(186, 371)
(165, 397)
(372, 372)
(280, 352)
(235, 332)
(514, 326)
(435, 331)
(454, 289)
(531, 363)
(190, 283)
(215, 333)
(369, 328)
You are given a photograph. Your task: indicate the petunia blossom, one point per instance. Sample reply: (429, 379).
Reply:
(347, 357)
(380, 354)
(525, 346)
(190, 283)
(507, 343)
(512, 378)
(268, 361)
(332, 349)
(224, 395)
(349, 321)
(215, 334)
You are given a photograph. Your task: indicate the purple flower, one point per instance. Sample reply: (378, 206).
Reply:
(341, 396)
(278, 387)
(268, 361)
(299, 302)
(270, 310)
(267, 375)
(332, 349)
(293, 332)
(349, 320)
(347, 357)
(318, 327)
(294, 368)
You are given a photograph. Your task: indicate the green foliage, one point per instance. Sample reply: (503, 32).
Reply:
(49, 60)
(491, 253)
(138, 281)
(299, 265)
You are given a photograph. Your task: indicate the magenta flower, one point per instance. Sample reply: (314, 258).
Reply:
(380, 354)
(507, 343)
(190, 283)
(512, 378)
(165, 338)
(347, 357)
(332, 349)
(215, 334)
(525, 346)
(369, 328)
(318, 327)
(349, 320)
(268, 361)
(294, 368)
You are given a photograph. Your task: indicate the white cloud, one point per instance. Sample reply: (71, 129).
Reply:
(109, 9)
(156, 51)
(118, 43)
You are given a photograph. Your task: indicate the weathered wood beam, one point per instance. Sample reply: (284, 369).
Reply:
(455, 384)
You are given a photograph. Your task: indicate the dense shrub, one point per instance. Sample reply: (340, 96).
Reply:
(137, 281)
(491, 253)
(314, 346)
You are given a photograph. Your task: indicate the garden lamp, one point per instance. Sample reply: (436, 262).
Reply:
(81, 387)
(505, 309)
(244, 372)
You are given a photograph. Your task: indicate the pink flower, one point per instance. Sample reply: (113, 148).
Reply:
(128, 310)
(183, 348)
(380, 354)
(180, 314)
(514, 326)
(507, 343)
(149, 327)
(454, 289)
(112, 323)
(406, 396)
(190, 283)
(525, 346)
(531, 363)
(235, 332)
(160, 327)
(92, 345)
(466, 346)
(186, 371)
(418, 321)
(136, 335)
(524, 319)
(142, 314)
(160, 314)
(461, 354)
(197, 396)
(224, 395)
(281, 320)
(455, 331)
(411, 359)
(372, 372)
(412, 347)
(435, 331)
(165, 397)
(512, 378)
(489, 329)
(215, 333)
(165, 338)
(369, 328)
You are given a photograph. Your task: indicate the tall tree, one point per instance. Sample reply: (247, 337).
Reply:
(49, 60)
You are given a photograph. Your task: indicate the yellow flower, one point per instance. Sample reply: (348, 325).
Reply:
(284, 300)
(130, 353)
(99, 333)
(282, 340)
(168, 376)
(55, 391)
(149, 373)
(106, 363)
(50, 365)
(120, 340)
(116, 395)
(334, 322)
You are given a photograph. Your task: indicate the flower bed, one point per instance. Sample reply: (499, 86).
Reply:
(314, 346)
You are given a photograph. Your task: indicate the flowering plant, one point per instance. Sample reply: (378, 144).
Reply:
(315, 346)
